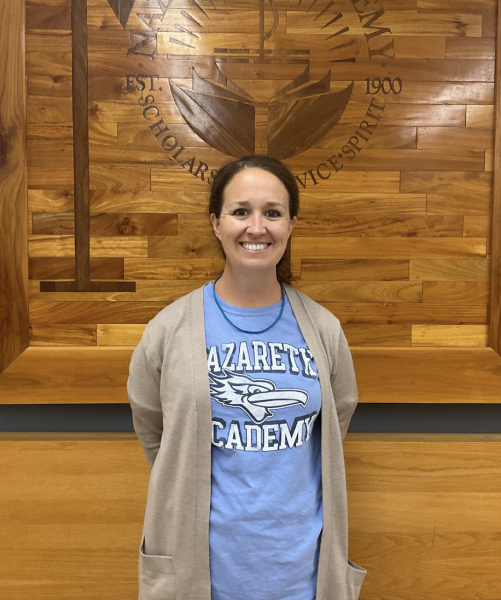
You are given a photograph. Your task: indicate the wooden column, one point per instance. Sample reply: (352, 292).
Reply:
(495, 318)
(14, 330)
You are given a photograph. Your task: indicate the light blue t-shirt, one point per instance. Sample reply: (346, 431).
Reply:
(266, 494)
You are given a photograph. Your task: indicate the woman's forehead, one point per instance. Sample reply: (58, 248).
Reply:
(254, 182)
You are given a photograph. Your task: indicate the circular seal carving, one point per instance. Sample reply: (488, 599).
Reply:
(271, 76)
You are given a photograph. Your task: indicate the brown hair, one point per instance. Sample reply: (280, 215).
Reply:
(281, 172)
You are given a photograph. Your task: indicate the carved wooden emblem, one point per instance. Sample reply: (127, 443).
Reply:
(265, 91)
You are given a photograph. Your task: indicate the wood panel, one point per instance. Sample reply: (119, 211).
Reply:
(445, 375)
(436, 495)
(66, 375)
(79, 308)
(398, 234)
(381, 248)
(119, 335)
(419, 501)
(63, 335)
(50, 268)
(107, 224)
(455, 292)
(408, 312)
(13, 202)
(449, 335)
(449, 270)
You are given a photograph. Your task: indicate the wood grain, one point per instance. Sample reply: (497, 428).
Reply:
(402, 159)
(64, 245)
(119, 335)
(481, 48)
(434, 494)
(131, 178)
(184, 247)
(75, 310)
(495, 291)
(176, 269)
(450, 183)
(63, 335)
(66, 375)
(484, 7)
(378, 335)
(456, 204)
(50, 200)
(477, 226)
(455, 292)
(380, 248)
(449, 270)
(450, 335)
(48, 17)
(336, 204)
(175, 201)
(399, 23)
(13, 201)
(407, 313)
(449, 139)
(479, 116)
(107, 224)
(430, 92)
(50, 268)
(367, 291)
(428, 375)
(407, 219)
(354, 270)
(377, 226)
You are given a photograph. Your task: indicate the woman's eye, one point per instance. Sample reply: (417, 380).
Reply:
(273, 214)
(240, 212)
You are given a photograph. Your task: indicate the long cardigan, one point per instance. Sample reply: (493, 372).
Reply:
(169, 393)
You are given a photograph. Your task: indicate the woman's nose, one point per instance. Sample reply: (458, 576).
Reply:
(256, 224)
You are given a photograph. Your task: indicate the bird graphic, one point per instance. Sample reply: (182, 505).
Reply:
(256, 397)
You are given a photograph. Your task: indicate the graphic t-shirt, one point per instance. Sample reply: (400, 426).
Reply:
(266, 494)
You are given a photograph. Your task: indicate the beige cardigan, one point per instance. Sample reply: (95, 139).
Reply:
(169, 394)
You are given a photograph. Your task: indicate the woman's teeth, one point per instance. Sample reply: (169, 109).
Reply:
(255, 246)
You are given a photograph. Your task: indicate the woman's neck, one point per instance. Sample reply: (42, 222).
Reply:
(246, 290)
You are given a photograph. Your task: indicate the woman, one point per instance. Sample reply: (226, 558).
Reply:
(247, 495)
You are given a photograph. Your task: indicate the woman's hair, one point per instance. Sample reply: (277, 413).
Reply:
(281, 172)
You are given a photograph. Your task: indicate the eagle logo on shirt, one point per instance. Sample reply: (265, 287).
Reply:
(256, 397)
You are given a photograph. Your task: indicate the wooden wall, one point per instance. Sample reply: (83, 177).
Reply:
(14, 332)
(396, 243)
(423, 511)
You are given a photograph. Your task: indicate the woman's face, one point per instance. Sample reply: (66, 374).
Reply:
(255, 223)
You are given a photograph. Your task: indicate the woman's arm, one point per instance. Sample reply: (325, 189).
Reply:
(143, 388)
(344, 385)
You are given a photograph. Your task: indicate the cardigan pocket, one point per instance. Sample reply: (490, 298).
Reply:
(156, 576)
(354, 578)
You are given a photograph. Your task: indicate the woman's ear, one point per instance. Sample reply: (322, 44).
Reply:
(215, 225)
(293, 224)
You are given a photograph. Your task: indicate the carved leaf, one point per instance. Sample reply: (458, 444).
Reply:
(225, 124)
(295, 126)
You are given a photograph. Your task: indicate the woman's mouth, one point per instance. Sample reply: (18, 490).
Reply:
(254, 247)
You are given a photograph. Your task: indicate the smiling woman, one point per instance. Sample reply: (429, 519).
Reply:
(247, 496)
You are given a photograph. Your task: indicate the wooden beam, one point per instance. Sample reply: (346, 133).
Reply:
(495, 321)
(84, 375)
(14, 332)
(80, 142)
